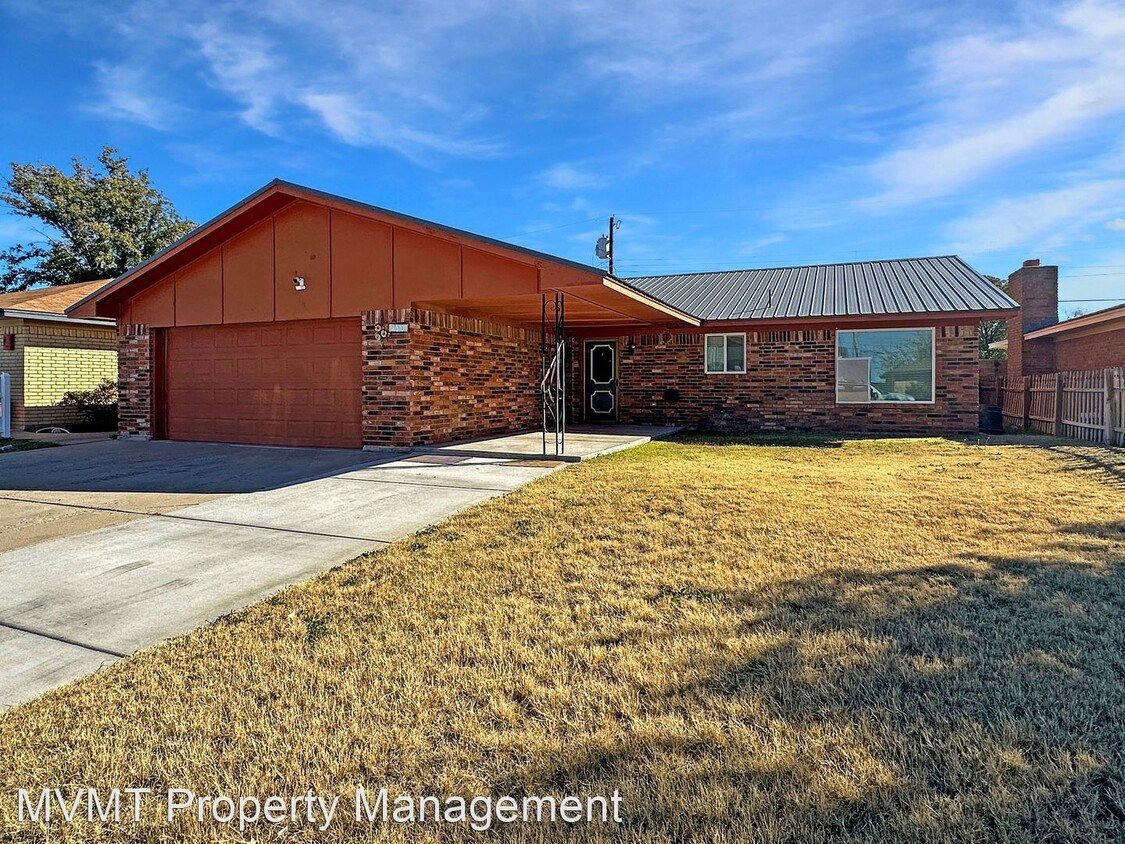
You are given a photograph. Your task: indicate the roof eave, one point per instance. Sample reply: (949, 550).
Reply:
(1079, 323)
(51, 316)
(618, 286)
(906, 319)
(102, 292)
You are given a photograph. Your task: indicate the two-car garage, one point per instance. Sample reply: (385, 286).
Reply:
(269, 383)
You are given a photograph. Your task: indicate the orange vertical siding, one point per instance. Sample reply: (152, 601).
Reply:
(199, 291)
(351, 262)
(248, 275)
(301, 250)
(362, 265)
(156, 306)
(484, 274)
(425, 268)
(556, 275)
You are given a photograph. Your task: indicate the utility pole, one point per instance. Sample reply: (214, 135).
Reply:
(611, 221)
(604, 247)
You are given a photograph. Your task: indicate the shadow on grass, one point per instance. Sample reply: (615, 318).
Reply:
(796, 439)
(992, 689)
(1106, 465)
(779, 440)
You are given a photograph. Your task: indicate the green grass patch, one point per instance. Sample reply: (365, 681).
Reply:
(8, 446)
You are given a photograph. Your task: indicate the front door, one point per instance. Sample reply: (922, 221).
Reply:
(601, 381)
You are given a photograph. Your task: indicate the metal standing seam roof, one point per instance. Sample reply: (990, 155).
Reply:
(944, 284)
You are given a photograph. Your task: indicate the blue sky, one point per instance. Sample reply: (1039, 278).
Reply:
(723, 135)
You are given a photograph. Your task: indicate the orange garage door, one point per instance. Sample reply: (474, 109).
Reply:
(273, 383)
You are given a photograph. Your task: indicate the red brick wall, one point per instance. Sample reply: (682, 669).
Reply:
(135, 381)
(789, 385)
(386, 379)
(447, 378)
(1094, 351)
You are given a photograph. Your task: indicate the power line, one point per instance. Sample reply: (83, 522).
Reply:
(552, 228)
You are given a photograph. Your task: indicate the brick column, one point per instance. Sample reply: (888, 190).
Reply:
(387, 389)
(135, 382)
(1036, 288)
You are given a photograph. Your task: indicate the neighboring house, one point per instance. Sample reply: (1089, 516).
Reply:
(302, 318)
(48, 355)
(1038, 342)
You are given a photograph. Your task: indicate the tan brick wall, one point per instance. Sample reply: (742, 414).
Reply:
(11, 361)
(50, 359)
(50, 372)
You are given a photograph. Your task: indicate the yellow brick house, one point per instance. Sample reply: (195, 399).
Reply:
(48, 354)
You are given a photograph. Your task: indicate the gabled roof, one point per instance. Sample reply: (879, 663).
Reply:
(48, 302)
(267, 200)
(944, 284)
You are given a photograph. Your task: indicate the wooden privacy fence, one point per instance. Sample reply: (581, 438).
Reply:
(1086, 405)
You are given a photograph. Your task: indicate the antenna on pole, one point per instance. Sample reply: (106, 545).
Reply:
(603, 249)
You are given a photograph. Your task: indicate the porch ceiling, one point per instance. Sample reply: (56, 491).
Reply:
(609, 305)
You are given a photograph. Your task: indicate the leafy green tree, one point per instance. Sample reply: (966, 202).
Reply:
(993, 330)
(101, 220)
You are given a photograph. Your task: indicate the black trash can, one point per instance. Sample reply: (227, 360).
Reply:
(991, 419)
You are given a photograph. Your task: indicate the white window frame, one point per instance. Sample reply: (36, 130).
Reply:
(724, 370)
(933, 365)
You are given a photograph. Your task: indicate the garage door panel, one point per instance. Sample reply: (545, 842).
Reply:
(294, 385)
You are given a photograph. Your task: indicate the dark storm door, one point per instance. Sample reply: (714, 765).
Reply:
(601, 381)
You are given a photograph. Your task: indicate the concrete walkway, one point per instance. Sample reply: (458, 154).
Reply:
(581, 442)
(201, 530)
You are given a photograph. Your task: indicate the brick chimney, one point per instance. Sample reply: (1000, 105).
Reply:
(1036, 288)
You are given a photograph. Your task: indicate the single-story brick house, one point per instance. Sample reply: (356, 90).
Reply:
(1039, 343)
(302, 318)
(48, 355)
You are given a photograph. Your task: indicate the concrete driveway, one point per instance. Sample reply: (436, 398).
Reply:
(111, 546)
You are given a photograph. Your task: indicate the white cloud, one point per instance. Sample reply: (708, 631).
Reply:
(422, 78)
(1046, 220)
(752, 247)
(127, 95)
(570, 177)
(1001, 97)
(1117, 225)
(357, 125)
(247, 67)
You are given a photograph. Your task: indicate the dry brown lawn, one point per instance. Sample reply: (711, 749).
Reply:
(869, 640)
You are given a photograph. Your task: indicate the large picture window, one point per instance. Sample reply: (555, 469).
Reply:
(724, 353)
(885, 365)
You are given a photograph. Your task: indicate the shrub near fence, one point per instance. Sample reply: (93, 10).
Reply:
(1087, 405)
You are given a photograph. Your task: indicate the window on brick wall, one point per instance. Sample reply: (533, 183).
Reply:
(894, 365)
(724, 353)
